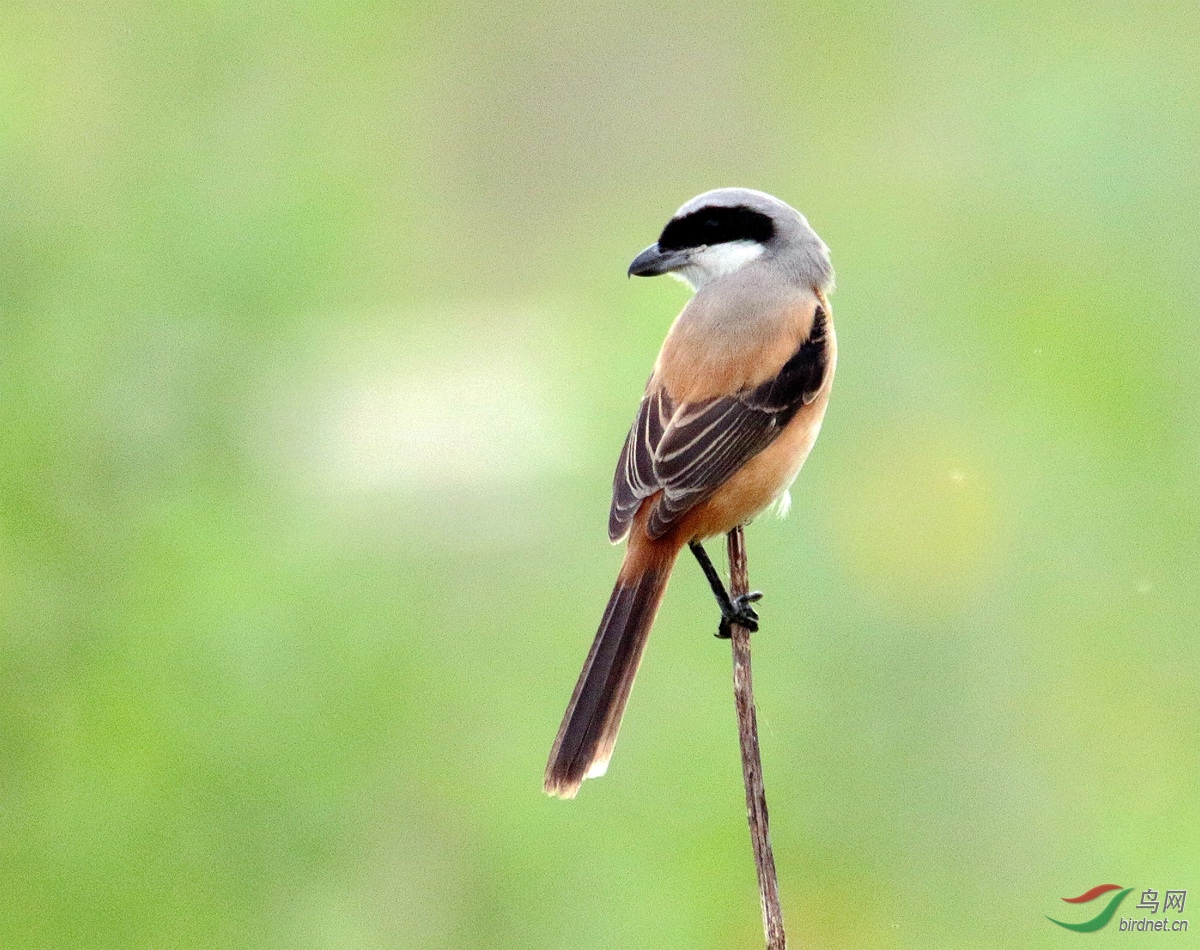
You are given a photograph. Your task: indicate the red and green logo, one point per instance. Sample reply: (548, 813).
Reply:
(1101, 918)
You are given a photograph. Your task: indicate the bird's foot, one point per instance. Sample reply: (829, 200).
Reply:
(741, 613)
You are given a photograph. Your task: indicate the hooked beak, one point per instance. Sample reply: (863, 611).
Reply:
(654, 261)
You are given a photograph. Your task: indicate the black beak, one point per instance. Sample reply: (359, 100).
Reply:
(654, 261)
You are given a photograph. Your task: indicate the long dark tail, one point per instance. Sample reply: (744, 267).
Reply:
(589, 729)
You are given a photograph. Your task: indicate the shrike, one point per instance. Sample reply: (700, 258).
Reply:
(730, 414)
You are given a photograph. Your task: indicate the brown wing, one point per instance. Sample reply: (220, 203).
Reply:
(635, 479)
(688, 452)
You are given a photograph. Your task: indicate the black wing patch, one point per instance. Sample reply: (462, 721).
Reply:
(800, 378)
(688, 454)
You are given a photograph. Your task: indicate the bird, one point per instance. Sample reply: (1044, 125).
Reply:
(729, 415)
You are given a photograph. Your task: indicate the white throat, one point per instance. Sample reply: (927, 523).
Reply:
(717, 261)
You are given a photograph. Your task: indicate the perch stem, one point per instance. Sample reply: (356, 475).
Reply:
(756, 796)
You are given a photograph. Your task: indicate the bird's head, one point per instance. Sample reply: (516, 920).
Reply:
(722, 231)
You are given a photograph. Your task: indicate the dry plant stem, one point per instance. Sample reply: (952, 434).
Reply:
(756, 796)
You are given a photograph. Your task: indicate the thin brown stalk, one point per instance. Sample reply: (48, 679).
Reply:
(756, 796)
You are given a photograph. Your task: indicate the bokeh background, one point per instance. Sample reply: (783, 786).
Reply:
(316, 354)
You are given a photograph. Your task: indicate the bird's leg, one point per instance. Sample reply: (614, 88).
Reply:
(733, 610)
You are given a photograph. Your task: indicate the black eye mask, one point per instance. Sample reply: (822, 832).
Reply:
(716, 226)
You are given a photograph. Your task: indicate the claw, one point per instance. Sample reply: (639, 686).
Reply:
(742, 614)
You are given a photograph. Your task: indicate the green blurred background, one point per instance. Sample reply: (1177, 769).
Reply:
(316, 354)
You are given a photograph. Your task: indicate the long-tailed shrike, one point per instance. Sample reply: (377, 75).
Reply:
(729, 416)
